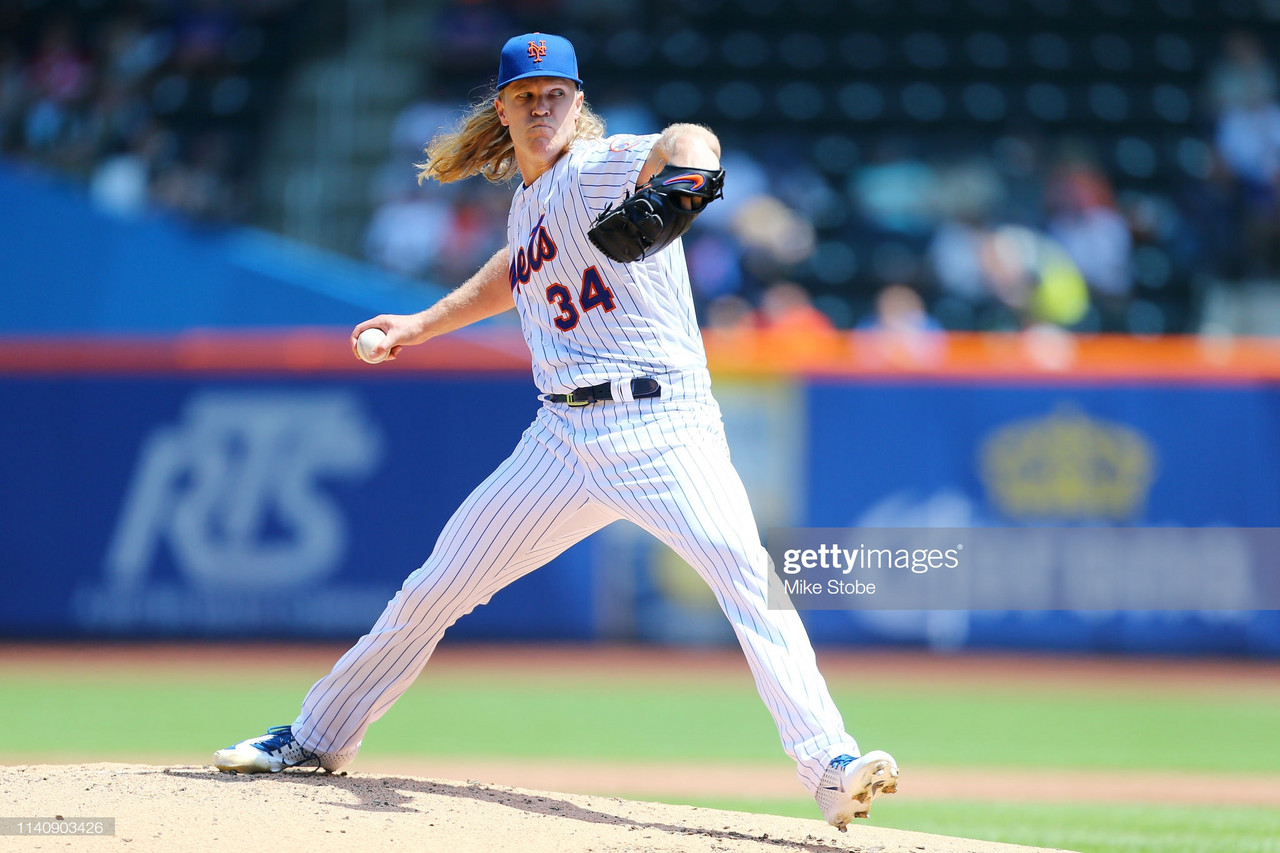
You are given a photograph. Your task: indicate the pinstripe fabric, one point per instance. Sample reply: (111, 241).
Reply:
(534, 506)
(652, 326)
(661, 463)
(671, 474)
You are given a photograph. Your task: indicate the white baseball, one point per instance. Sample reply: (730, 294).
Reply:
(369, 339)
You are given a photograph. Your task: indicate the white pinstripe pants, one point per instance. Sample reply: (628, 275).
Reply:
(662, 464)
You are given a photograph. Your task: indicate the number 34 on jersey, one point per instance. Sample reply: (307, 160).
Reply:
(592, 291)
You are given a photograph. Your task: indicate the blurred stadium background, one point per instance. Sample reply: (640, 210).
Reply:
(979, 262)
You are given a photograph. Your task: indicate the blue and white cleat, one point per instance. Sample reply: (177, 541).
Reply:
(269, 753)
(850, 784)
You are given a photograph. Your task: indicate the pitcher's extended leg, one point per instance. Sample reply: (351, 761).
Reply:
(529, 510)
(690, 497)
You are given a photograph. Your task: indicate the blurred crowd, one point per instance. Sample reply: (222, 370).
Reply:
(164, 104)
(150, 103)
(1026, 231)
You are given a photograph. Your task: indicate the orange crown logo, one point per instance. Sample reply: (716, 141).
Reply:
(537, 51)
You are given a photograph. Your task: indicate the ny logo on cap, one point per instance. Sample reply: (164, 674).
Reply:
(537, 51)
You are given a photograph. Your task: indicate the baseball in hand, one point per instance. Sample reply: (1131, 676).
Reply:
(369, 339)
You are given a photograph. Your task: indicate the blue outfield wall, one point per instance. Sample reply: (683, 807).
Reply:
(1004, 455)
(273, 508)
(294, 505)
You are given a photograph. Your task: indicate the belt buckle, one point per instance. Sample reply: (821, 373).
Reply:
(575, 403)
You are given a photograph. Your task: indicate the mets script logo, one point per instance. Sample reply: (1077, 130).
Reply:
(234, 490)
(538, 51)
(529, 259)
(696, 181)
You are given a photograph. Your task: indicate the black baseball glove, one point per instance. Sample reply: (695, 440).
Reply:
(652, 217)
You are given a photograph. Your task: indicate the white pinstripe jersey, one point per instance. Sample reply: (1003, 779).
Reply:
(587, 319)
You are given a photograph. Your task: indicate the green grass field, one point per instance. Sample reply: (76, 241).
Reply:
(1086, 828)
(129, 716)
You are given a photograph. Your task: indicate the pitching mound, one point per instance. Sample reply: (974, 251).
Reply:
(190, 808)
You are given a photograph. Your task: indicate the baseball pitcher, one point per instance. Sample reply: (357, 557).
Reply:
(628, 428)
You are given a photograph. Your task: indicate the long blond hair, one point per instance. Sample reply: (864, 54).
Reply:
(481, 145)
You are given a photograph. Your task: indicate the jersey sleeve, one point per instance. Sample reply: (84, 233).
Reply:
(608, 170)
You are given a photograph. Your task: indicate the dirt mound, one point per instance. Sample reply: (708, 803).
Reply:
(190, 807)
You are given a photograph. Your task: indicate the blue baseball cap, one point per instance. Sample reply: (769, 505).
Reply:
(537, 55)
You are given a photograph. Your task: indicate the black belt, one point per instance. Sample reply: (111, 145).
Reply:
(641, 388)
